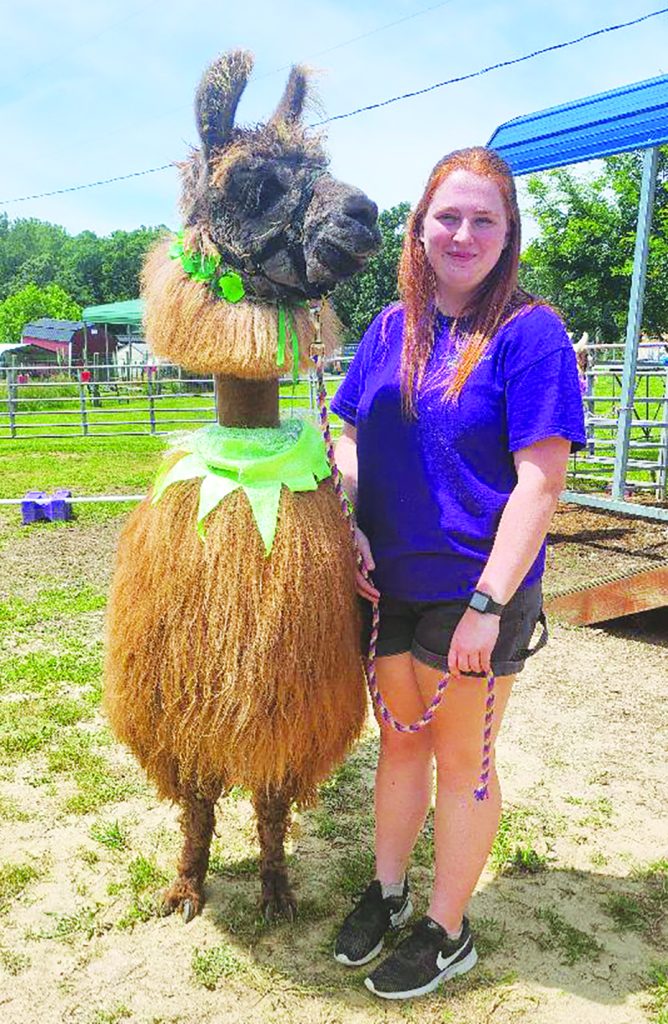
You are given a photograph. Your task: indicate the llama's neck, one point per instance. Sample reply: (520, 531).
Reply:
(246, 403)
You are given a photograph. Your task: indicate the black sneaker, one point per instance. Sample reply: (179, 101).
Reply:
(422, 961)
(361, 935)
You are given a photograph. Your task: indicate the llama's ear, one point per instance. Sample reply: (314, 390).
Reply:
(292, 102)
(218, 96)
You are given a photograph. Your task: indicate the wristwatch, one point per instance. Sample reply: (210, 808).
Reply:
(482, 602)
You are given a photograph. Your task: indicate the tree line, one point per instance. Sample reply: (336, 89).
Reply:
(580, 260)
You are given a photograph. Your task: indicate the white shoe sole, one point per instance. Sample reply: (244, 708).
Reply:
(452, 971)
(396, 921)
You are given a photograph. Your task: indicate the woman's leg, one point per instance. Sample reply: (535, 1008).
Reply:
(404, 774)
(464, 828)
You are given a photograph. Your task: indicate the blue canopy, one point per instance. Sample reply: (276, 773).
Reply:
(633, 117)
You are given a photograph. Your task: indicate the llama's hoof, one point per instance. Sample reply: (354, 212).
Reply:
(184, 899)
(279, 903)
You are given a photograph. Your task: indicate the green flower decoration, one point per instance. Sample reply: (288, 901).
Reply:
(225, 283)
(231, 287)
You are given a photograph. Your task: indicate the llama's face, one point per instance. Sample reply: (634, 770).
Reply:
(264, 199)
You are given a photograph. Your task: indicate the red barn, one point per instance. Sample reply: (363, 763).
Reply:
(67, 342)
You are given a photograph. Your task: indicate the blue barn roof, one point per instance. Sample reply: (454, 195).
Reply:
(633, 117)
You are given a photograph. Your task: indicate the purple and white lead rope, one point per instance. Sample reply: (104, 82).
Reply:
(481, 792)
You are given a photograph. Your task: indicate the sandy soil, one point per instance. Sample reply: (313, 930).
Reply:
(580, 755)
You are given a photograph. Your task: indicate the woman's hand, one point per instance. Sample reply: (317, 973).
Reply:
(473, 642)
(364, 587)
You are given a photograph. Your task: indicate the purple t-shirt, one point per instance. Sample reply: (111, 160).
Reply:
(431, 490)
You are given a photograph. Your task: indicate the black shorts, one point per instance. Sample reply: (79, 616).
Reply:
(425, 629)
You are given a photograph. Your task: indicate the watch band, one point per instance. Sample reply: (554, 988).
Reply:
(484, 603)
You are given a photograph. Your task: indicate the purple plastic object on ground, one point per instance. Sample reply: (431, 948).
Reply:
(38, 505)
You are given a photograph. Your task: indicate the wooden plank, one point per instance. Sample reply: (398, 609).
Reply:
(612, 599)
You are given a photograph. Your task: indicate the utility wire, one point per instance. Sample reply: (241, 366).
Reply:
(375, 106)
(493, 67)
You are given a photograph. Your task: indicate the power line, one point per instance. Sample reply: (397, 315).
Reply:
(90, 184)
(493, 67)
(375, 106)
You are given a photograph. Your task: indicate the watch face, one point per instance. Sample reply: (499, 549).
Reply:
(479, 602)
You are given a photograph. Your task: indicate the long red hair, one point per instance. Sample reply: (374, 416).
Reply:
(496, 299)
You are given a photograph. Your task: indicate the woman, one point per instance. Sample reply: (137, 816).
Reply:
(460, 410)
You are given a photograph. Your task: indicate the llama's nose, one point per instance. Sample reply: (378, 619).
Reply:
(359, 207)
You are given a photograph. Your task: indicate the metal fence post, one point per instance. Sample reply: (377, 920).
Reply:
(635, 316)
(82, 406)
(11, 395)
(151, 399)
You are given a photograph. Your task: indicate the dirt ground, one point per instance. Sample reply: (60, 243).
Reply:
(567, 915)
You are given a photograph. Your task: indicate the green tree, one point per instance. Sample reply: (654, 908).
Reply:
(359, 300)
(31, 303)
(87, 267)
(582, 259)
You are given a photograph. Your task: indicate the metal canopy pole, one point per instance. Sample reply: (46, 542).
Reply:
(634, 319)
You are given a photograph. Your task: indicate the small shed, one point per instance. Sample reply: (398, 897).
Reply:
(65, 342)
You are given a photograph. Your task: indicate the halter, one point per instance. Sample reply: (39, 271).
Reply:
(481, 792)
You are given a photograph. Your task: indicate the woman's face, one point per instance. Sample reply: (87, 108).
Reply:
(464, 232)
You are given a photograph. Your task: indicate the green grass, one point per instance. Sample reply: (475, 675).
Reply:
(658, 992)
(14, 879)
(114, 1016)
(571, 943)
(97, 781)
(84, 923)
(10, 810)
(45, 673)
(27, 725)
(111, 834)
(18, 615)
(644, 907)
(13, 963)
(144, 882)
(514, 848)
(209, 966)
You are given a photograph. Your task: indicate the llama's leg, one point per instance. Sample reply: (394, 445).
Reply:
(272, 807)
(197, 822)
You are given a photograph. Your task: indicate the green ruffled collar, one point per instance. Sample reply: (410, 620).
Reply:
(258, 460)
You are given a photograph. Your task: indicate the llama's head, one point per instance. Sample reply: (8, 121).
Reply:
(262, 197)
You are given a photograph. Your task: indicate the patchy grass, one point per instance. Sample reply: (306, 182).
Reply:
(642, 909)
(572, 944)
(14, 879)
(17, 615)
(29, 724)
(354, 871)
(13, 963)
(45, 673)
(85, 923)
(111, 834)
(209, 966)
(97, 781)
(489, 935)
(10, 810)
(114, 1016)
(658, 993)
(514, 849)
(144, 881)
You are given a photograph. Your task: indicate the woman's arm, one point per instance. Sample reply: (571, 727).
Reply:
(541, 473)
(345, 453)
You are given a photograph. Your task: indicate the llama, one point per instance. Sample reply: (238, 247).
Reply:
(232, 638)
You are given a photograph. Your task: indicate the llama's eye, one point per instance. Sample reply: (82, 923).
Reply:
(269, 193)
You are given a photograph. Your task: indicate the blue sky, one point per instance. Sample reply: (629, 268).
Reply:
(93, 90)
